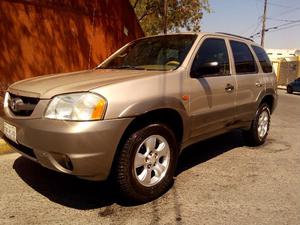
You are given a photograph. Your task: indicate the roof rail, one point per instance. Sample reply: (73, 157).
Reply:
(234, 35)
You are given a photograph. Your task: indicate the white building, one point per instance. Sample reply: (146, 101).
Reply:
(279, 54)
(286, 64)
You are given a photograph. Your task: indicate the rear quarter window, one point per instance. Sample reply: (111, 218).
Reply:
(263, 58)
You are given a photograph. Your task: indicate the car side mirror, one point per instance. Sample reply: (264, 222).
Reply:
(208, 68)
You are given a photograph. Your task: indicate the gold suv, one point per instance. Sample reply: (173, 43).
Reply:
(133, 115)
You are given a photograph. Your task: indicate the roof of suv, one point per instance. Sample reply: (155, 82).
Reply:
(221, 34)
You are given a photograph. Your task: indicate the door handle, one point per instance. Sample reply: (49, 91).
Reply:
(229, 88)
(258, 84)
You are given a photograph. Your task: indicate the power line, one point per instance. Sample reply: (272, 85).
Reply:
(285, 28)
(282, 26)
(286, 24)
(289, 23)
(287, 11)
(278, 5)
(256, 25)
(282, 20)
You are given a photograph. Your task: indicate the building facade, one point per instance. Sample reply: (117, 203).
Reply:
(286, 63)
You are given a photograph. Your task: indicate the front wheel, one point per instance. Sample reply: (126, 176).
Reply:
(146, 164)
(260, 126)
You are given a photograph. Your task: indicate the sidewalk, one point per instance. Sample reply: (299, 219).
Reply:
(4, 148)
(281, 87)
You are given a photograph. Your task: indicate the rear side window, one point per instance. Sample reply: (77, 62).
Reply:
(243, 58)
(263, 59)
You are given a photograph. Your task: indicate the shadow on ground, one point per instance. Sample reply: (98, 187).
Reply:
(209, 149)
(80, 194)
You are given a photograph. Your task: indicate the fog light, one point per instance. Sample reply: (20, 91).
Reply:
(63, 160)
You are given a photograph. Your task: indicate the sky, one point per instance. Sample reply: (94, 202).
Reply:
(244, 17)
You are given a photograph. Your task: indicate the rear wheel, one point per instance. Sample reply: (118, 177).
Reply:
(289, 90)
(260, 126)
(146, 164)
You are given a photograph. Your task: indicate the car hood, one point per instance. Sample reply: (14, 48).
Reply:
(51, 85)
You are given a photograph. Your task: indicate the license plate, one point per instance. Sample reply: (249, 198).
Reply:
(10, 132)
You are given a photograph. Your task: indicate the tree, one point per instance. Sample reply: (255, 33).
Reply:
(182, 14)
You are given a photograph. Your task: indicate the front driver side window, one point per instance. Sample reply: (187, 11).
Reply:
(211, 59)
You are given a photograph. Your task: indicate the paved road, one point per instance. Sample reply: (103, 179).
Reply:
(219, 182)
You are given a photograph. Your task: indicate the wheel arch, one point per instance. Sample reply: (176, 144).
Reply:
(167, 116)
(270, 101)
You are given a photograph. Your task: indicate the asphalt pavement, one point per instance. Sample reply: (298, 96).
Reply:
(219, 181)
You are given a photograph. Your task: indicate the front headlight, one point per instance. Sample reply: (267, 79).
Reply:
(78, 107)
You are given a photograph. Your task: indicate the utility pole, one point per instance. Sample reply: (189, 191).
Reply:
(165, 16)
(264, 24)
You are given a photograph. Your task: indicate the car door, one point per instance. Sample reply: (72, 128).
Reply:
(212, 88)
(250, 80)
(266, 68)
(296, 85)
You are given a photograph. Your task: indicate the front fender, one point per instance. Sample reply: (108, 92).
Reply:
(149, 105)
(139, 108)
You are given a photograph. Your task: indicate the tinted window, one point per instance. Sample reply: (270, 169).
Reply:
(263, 59)
(243, 58)
(211, 59)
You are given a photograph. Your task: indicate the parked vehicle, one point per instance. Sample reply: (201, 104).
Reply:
(294, 86)
(133, 115)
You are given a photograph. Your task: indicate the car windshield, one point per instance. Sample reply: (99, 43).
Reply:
(155, 53)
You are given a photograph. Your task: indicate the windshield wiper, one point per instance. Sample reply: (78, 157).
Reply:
(129, 67)
(123, 67)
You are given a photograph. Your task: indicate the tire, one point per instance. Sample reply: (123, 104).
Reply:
(289, 90)
(260, 126)
(140, 175)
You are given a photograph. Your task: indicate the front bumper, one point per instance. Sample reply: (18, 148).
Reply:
(83, 149)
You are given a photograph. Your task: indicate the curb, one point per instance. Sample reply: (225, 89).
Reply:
(281, 87)
(4, 148)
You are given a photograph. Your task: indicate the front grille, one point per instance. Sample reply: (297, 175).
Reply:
(21, 148)
(22, 106)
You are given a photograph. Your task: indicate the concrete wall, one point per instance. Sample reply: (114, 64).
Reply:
(53, 36)
(287, 70)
